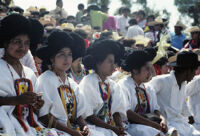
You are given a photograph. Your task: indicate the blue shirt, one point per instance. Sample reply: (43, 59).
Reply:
(177, 40)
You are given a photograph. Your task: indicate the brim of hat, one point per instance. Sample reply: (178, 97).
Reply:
(174, 64)
(193, 30)
(156, 23)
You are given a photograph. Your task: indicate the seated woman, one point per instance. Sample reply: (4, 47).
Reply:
(77, 70)
(64, 104)
(104, 97)
(140, 100)
(18, 98)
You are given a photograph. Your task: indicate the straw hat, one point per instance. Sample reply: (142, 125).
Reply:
(193, 29)
(158, 21)
(68, 26)
(27, 14)
(87, 29)
(197, 51)
(172, 59)
(141, 40)
(180, 24)
(32, 9)
(116, 36)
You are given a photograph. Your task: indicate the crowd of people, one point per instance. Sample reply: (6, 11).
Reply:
(94, 74)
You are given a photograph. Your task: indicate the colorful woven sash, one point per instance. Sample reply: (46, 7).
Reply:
(143, 105)
(69, 102)
(105, 112)
(24, 85)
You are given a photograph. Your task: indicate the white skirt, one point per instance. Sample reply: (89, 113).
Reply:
(141, 130)
(184, 128)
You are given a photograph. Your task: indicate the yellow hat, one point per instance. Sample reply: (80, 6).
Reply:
(193, 29)
(180, 24)
(146, 29)
(68, 26)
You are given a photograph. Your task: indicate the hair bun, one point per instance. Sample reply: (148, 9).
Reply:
(89, 62)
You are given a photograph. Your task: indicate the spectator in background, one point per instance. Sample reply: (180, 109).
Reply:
(71, 19)
(118, 15)
(110, 24)
(150, 18)
(141, 18)
(194, 42)
(134, 29)
(97, 17)
(159, 26)
(134, 14)
(80, 13)
(122, 23)
(152, 33)
(178, 37)
(85, 20)
(129, 43)
(59, 12)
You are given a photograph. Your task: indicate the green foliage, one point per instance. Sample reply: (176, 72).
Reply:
(189, 8)
(150, 11)
(99, 2)
(127, 3)
(107, 2)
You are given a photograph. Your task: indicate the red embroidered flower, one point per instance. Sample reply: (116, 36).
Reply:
(105, 96)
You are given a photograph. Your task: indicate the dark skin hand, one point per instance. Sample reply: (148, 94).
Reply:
(83, 126)
(191, 120)
(118, 129)
(163, 123)
(26, 98)
(38, 104)
(133, 117)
